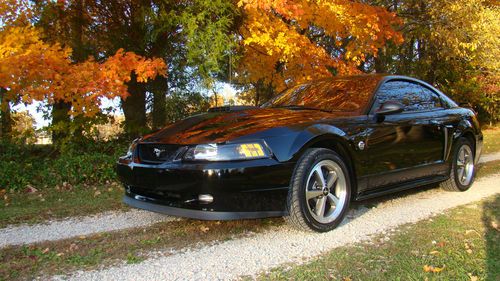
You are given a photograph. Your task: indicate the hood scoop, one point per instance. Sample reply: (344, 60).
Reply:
(231, 108)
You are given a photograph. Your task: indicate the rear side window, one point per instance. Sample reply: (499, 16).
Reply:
(413, 96)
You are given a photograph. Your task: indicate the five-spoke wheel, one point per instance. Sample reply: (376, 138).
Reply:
(320, 191)
(462, 169)
(326, 191)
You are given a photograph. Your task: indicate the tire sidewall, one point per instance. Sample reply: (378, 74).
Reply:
(454, 172)
(312, 158)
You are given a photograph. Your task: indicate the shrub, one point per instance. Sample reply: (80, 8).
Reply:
(42, 166)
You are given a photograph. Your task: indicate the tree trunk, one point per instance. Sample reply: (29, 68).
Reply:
(60, 122)
(159, 88)
(134, 108)
(5, 116)
(380, 61)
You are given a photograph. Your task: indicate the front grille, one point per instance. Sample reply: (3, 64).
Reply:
(157, 153)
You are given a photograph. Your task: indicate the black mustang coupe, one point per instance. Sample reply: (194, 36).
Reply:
(306, 153)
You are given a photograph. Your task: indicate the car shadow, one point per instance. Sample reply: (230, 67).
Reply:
(359, 208)
(491, 221)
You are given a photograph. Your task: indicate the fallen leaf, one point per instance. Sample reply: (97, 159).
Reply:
(97, 193)
(2, 192)
(347, 279)
(60, 254)
(469, 231)
(473, 277)
(110, 189)
(30, 189)
(82, 237)
(441, 244)
(430, 268)
(434, 252)
(494, 224)
(73, 247)
(46, 250)
(204, 229)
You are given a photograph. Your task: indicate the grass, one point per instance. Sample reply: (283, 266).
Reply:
(42, 205)
(462, 244)
(129, 246)
(491, 140)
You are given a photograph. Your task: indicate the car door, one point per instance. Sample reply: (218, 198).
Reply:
(402, 146)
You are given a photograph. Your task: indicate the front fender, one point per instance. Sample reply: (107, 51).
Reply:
(469, 126)
(290, 147)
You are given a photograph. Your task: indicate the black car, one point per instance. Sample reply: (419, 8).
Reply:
(306, 153)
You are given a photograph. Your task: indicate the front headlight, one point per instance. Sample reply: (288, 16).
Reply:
(228, 152)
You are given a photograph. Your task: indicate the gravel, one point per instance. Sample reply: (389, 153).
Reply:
(255, 254)
(78, 226)
(489, 157)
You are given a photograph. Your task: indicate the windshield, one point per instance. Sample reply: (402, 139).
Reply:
(351, 93)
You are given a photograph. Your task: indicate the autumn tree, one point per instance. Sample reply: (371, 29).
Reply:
(191, 36)
(288, 42)
(452, 44)
(46, 72)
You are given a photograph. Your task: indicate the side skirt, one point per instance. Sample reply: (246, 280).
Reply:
(399, 187)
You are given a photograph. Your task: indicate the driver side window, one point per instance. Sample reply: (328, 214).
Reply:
(412, 96)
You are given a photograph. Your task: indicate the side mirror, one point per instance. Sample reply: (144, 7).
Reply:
(389, 107)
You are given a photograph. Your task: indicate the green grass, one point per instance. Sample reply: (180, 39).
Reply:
(491, 140)
(464, 243)
(39, 206)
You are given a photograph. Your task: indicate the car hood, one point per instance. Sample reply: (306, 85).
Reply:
(217, 127)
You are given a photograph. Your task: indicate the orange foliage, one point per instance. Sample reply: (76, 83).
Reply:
(279, 32)
(31, 69)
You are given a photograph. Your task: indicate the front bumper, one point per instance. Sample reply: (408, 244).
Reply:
(240, 189)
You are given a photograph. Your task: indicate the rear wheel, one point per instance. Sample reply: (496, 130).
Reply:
(462, 170)
(320, 190)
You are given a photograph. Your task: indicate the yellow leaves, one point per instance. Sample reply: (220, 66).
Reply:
(277, 43)
(432, 269)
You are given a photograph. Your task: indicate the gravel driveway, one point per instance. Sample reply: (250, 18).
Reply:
(78, 226)
(252, 255)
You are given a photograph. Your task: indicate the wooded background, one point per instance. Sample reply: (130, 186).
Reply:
(164, 59)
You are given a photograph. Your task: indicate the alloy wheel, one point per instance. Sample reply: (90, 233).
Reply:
(465, 165)
(326, 191)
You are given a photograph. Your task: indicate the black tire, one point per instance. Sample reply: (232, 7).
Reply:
(299, 211)
(454, 183)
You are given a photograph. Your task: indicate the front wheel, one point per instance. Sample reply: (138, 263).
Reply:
(462, 170)
(320, 190)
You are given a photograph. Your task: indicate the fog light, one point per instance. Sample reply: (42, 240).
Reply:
(205, 198)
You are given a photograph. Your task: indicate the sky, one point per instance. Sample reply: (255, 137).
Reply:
(225, 89)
